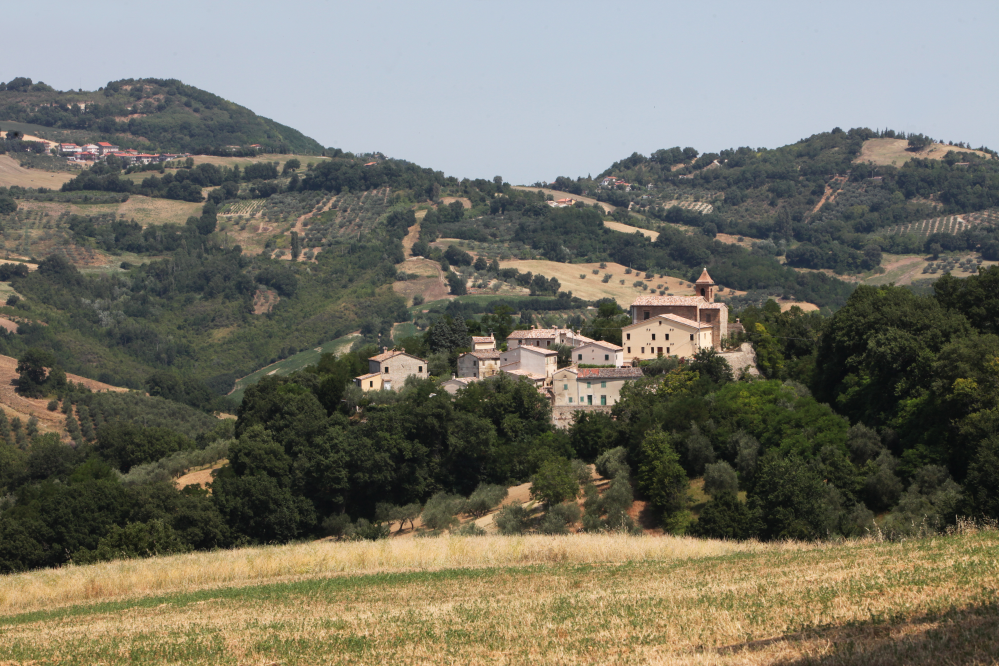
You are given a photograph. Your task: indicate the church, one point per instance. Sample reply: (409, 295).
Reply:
(676, 325)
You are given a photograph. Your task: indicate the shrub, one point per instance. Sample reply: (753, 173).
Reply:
(440, 511)
(485, 498)
(512, 519)
(554, 482)
(581, 470)
(470, 529)
(559, 518)
(725, 517)
(613, 462)
(53, 405)
(720, 478)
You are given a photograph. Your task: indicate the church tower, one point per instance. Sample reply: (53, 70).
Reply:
(705, 287)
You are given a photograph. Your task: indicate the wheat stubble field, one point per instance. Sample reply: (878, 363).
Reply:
(582, 599)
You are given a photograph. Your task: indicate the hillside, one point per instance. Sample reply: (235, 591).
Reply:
(582, 599)
(148, 114)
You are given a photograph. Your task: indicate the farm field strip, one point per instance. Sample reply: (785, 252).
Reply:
(949, 224)
(566, 600)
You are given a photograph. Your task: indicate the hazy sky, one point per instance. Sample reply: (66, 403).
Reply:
(534, 90)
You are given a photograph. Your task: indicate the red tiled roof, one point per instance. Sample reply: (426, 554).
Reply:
(684, 321)
(705, 278)
(670, 300)
(482, 338)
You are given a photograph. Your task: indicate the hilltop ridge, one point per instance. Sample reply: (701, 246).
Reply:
(148, 114)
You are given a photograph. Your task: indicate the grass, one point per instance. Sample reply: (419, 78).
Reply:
(548, 600)
(291, 364)
(895, 151)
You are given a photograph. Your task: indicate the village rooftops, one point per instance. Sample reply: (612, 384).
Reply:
(609, 373)
(477, 339)
(484, 354)
(673, 300)
(604, 344)
(682, 320)
(386, 355)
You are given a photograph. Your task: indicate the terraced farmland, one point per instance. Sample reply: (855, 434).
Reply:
(701, 207)
(247, 208)
(948, 224)
(350, 215)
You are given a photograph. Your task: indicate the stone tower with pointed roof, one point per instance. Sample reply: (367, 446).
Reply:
(705, 286)
(699, 309)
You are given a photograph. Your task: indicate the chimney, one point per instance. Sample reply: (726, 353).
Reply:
(384, 349)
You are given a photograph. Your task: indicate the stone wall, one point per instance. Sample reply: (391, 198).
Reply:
(745, 356)
(562, 416)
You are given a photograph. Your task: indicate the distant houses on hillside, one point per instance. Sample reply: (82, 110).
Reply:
(100, 151)
(597, 370)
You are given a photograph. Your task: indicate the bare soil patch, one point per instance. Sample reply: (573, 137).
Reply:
(895, 151)
(431, 285)
(628, 229)
(264, 300)
(589, 201)
(17, 405)
(201, 477)
(465, 201)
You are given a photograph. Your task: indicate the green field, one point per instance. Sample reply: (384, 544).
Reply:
(927, 601)
(290, 364)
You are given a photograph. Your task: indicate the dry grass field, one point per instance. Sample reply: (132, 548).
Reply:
(592, 287)
(589, 201)
(895, 151)
(12, 173)
(590, 599)
(144, 210)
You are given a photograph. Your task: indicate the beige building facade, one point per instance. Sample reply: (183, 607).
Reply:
(700, 309)
(599, 352)
(591, 386)
(479, 364)
(532, 362)
(665, 335)
(546, 338)
(388, 371)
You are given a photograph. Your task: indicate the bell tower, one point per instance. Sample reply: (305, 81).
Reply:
(705, 287)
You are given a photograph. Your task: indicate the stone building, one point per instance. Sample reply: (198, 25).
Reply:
(389, 370)
(700, 309)
(591, 386)
(479, 364)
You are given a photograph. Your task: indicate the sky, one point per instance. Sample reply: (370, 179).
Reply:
(535, 90)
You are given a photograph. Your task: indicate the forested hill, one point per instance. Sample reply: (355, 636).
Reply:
(834, 200)
(149, 114)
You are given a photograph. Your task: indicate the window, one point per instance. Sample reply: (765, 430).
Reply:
(629, 350)
(667, 351)
(419, 368)
(580, 356)
(629, 336)
(588, 385)
(475, 374)
(667, 337)
(565, 387)
(548, 343)
(371, 384)
(691, 336)
(570, 399)
(646, 314)
(653, 336)
(603, 400)
(386, 369)
(606, 357)
(643, 350)
(603, 384)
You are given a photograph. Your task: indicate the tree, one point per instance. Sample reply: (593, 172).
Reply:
(919, 141)
(291, 165)
(720, 478)
(788, 496)
(32, 369)
(982, 483)
(725, 517)
(554, 482)
(662, 481)
(296, 246)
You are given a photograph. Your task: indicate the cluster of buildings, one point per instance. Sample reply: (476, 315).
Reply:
(100, 151)
(660, 326)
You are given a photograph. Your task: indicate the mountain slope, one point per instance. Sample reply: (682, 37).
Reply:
(153, 114)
